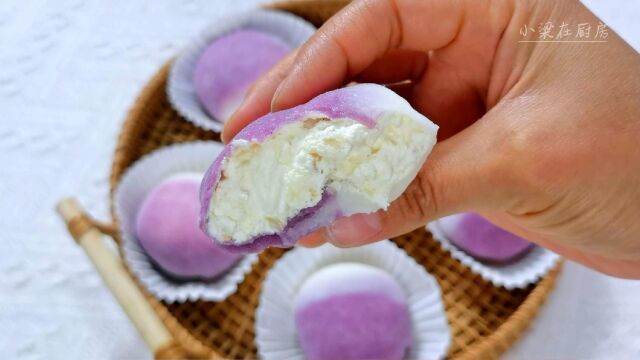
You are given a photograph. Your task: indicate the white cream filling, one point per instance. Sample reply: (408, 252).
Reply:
(263, 185)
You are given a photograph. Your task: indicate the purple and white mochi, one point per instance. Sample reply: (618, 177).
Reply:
(481, 239)
(167, 229)
(352, 311)
(347, 151)
(230, 64)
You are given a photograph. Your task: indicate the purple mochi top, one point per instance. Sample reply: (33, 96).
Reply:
(167, 229)
(484, 241)
(363, 103)
(352, 311)
(230, 64)
(363, 326)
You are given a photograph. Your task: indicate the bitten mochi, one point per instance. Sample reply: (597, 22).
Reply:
(352, 311)
(167, 228)
(351, 150)
(230, 64)
(484, 241)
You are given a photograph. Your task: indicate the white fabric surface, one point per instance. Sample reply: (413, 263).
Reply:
(69, 70)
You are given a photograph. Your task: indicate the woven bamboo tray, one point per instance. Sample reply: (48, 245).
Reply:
(484, 320)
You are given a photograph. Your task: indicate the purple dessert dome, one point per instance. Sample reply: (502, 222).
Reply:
(352, 311)
(483, 240)
(167, 229)
(230, 64)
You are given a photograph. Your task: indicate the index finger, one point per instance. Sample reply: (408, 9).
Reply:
(346, 45)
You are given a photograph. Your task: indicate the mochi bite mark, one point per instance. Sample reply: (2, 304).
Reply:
(352, 150)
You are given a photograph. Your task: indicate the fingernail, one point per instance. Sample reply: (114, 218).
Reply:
(312, 240)
(223, 138)
(223, 135)
(354, 230)
(274, 99)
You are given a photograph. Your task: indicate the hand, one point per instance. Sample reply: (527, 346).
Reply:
(541, 138)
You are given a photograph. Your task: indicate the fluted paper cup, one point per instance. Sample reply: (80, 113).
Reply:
(519, 274)
(275, 327)
(187, 158)
(290, 29)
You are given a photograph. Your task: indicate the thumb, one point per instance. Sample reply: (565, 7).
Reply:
(465, 172)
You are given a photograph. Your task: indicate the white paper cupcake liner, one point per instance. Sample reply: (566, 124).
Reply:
(275, 325)
(517, 275)
(291, 29)
(150, 170)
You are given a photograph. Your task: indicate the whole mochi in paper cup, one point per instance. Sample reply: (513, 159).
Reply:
(498, 256)
(353, 311)
(369, 302)
(347, 151)
(167, 228)
(230, 64)
(211, 76)
(486, 242)
(157, 206)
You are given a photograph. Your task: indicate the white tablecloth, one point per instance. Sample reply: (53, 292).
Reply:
(69, 70)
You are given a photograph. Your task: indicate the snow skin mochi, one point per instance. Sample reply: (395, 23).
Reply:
(167, 228)
(352, 311)
(230, 64)
(347, 151)
(481, 239)
(211, 75)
